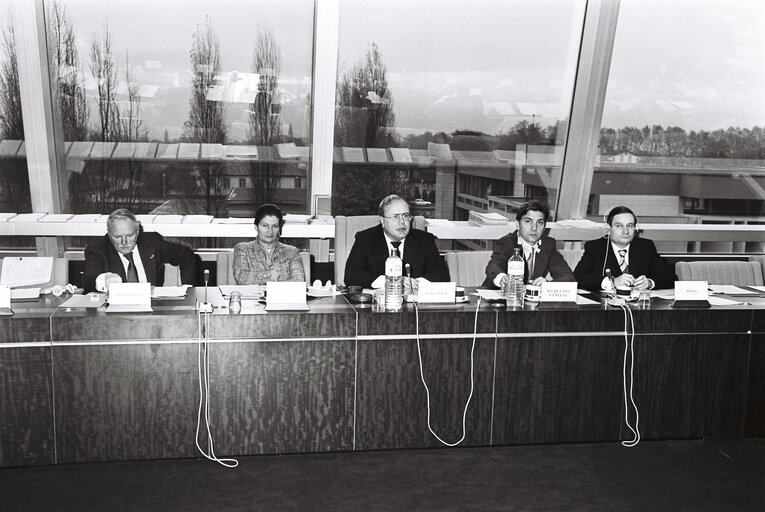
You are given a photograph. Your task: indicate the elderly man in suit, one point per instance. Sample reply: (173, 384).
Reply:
(633, 261)
(126, 253)
(366, 261)
(537, 249)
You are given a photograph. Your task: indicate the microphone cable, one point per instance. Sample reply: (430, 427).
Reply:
(472, 380)
(629, 348)
(203, 373)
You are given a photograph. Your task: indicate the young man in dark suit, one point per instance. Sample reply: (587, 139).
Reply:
(366, 262)
(537, 249)
(127, 254)
(633, 261)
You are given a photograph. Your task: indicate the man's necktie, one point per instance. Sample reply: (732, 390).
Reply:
(395, 248)
(132, 274)
(623, 260)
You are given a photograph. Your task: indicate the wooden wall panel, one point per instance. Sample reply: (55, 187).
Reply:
(691, 385)
(755, 397)
(26, 407)
(287, 324)
(24, 329)
(97, 326)
(554, 390)
(116, 402)
(391, 407)
(433, 319)
(282, 397)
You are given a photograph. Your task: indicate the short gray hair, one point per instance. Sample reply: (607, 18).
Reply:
(121, 213)
(388, 200)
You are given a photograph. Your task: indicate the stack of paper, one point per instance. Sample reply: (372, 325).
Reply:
(487, 219)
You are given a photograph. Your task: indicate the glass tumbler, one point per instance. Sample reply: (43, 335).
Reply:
(235, 303)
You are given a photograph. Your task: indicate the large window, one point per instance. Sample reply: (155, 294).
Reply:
(456, 106)
(14, 179)
(166, 105)
(682, 137)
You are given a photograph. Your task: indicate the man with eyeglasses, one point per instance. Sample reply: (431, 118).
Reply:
(633, 261)
(127, 254)
(366, 262)
(537, 249)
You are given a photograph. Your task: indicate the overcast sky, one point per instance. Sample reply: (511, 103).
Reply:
(693, 63)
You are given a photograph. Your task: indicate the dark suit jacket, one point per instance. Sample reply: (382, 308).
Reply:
(548, 259)
(367, 258)
(643, 261)
(155, 251)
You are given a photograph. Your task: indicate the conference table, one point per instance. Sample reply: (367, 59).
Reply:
(83, 385)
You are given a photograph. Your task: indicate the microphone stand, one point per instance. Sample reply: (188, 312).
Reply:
(206, 307)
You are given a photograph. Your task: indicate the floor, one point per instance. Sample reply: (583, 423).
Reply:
(692, 475)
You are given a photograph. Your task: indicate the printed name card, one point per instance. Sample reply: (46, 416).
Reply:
(5, 296)
(130, 294)
(285, 292)
(691, 290)
(558, 292)
(436, 292)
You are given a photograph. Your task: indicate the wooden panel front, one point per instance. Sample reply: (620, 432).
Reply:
(555, 390)
(391, 407)
(116, 402)
(282, 396)
(755, 397)
(26, 407)
(691, 385)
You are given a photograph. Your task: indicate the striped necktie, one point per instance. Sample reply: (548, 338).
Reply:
(623, 260)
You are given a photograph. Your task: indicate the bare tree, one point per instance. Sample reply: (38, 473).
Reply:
(14, 187)
(65, 56)
(364, 113)
(265, 119)
(206, 123)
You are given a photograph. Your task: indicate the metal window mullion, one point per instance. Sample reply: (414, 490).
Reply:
(326, 27)
(589, 95)
(37, 111)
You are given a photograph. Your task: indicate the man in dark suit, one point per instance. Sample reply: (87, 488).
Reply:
(366, 261)
(537, 249)
(127, 254)
(633, 261)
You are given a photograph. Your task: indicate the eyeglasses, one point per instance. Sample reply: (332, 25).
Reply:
(124, 239)
(399, 217)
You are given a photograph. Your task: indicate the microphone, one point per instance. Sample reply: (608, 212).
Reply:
(206, 307)
(408, 268)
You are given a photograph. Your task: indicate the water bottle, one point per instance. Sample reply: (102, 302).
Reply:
(394, 283)
(513, 291)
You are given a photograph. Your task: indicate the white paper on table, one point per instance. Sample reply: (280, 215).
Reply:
(26, 271)
(728, 289)
(758, 288)
(169, 291)
(584, 301)
(720, 301)
(489, 294)
(91, 300)
(248, 291)
(663, 294)
(25, 293)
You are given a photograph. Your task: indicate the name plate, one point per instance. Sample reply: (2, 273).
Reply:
(130, 294)
(558, 292)
(285, 292)
(691, 290)
(5, 296)
(443, 293)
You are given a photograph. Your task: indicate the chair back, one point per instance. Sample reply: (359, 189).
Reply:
(345, 234)
(721, 272)
(467, 268)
